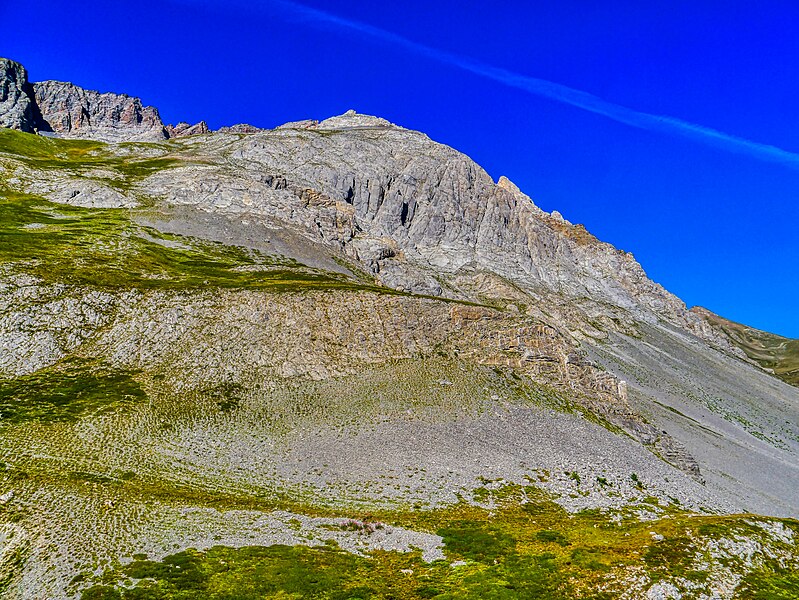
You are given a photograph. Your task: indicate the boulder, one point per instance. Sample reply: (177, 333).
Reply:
(183, 129)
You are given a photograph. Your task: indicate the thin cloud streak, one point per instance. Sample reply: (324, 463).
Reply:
(555, 91)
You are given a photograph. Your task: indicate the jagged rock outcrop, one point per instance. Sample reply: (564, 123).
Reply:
(303, 124)
(67, 110)
(239, 128)
(72, 111)
(507, 184)
(183, 129)
(16, 108)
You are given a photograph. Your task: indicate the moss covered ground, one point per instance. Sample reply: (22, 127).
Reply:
(77, 156)
(527, 547)
(66, 392)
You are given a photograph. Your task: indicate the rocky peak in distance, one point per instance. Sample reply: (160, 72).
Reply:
(71, 111)
(16, 107)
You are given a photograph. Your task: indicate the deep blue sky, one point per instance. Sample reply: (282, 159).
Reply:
(716, 227)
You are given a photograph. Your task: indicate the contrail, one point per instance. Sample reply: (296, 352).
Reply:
(551, 90)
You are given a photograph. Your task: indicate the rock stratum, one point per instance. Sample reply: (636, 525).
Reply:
(336, 359)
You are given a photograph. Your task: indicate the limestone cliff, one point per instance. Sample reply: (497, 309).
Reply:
(72, 111)
(423, 218)
(16, 108)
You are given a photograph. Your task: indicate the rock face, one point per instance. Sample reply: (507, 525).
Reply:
(183, 129)
(71, 111)
(408, 207)
(16, 108)
(418, 215)
(240, 128)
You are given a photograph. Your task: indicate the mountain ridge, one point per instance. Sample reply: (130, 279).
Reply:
(134, 121)
(775, 353)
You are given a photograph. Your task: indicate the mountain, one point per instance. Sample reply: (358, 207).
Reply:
(67, 110)
(336, 357)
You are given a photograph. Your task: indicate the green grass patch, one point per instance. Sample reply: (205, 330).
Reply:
(41, 148)
(103, 248)
(776, 584)
(518, 550)
(550, 536)
(248, 573)
(78, 156)
(66, 392)
(477, 541)
(327, 572)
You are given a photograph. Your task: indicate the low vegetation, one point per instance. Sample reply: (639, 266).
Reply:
(523, 549)
(91, 452)
(66, 392)
(104, 248)
(78, 156)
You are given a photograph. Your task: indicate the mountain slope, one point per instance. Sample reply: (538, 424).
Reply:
(770, 351)
(336, 357)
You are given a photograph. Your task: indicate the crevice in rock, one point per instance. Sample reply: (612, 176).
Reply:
(404, 213)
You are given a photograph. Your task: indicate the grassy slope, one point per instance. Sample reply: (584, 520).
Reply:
(104, 248)
(524, 547)
(66, 392)
(77, 156)
(767, 349)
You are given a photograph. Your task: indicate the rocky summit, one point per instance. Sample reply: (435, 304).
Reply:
(16, 106)
(336, 359)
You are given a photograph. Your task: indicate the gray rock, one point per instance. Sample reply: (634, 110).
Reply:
(71, 111)
(16, 108)
(351, 120)
(444, 214)
(739, 423)
(304, 124)
(183, 129)
(240, 128)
